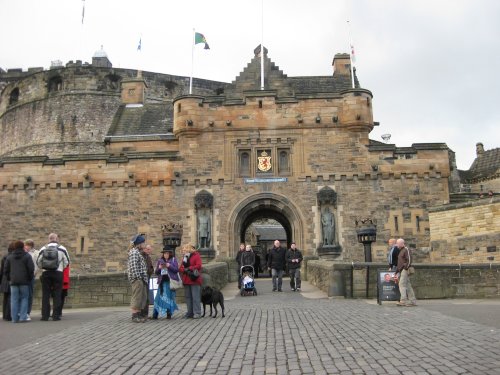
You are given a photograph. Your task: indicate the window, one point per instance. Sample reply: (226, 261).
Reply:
(418, 223)
(14, 96)
(245, 163)
(283, 162)
(396, 224)
(55, 84)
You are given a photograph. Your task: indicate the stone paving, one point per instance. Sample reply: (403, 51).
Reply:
(271, 333)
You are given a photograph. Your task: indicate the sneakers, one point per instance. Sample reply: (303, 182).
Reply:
(28, 318)
(196, 316)
(293, 289)
(298, 289)
(136, 318)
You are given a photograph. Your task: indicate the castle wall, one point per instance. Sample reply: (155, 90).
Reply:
(96, 207)
(466, 232)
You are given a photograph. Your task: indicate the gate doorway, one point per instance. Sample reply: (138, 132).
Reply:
(274, 209)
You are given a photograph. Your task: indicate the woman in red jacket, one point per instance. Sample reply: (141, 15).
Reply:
(190, 270)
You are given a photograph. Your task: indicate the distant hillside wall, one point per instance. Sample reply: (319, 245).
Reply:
(466, 232)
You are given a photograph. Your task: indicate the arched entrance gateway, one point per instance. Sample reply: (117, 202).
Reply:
(264, 205)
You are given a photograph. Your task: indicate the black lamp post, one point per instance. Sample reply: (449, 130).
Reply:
(367, 234)
(172, 235)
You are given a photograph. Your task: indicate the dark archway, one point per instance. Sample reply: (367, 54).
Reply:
(265, 205)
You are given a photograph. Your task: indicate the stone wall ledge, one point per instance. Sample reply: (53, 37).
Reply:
(473, 203)
(445, 280)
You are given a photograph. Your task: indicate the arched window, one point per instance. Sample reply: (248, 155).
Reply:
(245, 163)
(55, 84)
(284, 165)
(113, 82)
(14, 96)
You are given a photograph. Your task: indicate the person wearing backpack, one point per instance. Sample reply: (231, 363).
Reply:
(52, 259)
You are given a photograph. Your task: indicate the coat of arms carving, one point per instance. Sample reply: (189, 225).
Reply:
(264, 162)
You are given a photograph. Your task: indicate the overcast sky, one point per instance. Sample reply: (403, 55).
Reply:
(433, 66)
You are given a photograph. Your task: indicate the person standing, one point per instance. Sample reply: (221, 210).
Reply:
(5, 287)
(277, 262)
(238, 263)
(166, 269)
(247, 259)
(29, 247)
(191, 278)
(294, 260)
(52, 276)
(138, 279)
(20, 270)
(404, 263)
(146, 253)
(392, 257)
(65, 288)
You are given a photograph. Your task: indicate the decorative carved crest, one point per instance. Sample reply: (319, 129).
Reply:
(264, 162)
(203, 200)
(171, 229)
(327, 196)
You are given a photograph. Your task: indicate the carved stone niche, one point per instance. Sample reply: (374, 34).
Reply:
(203, 203)
(203, 200)
(327, 196)
(328, 249)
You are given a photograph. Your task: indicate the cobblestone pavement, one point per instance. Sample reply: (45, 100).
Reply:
(271, 333)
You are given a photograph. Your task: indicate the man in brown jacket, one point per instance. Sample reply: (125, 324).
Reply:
(405, 288)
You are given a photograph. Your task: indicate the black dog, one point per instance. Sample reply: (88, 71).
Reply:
(211, 296)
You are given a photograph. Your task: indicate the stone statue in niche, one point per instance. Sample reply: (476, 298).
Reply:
(204, 228)
(328, 226)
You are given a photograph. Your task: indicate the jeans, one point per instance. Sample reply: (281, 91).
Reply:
(51, 287)
(192, 294)
(19, 295)
(277, 278)
(30, 296)
(294, 278)
(405, 288)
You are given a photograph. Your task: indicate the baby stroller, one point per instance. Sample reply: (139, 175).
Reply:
(247, 281)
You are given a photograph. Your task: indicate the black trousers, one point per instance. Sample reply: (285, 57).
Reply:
(6, 307)
(52, 282)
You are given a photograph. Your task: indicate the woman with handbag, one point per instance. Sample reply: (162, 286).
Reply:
(167, 270)
(190, 270)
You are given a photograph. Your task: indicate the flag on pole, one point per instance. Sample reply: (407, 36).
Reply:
(139, 46)
(83, 11)
(353, 56)
(200, 38)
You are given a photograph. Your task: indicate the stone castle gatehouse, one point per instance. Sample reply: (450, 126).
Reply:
(98, 154)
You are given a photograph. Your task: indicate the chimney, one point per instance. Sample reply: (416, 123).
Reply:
(479, 149)
(134, 90)
(342, 64)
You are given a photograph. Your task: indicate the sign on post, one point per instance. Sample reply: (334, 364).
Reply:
(387, 287)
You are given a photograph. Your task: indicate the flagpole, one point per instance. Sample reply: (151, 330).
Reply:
(262, 50)
(350, 53)
(192, 65)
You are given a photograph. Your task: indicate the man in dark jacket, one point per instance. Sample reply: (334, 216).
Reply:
(294, 261)
(238, 261)
(276, 262)
(392, 257)
(20, 270)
